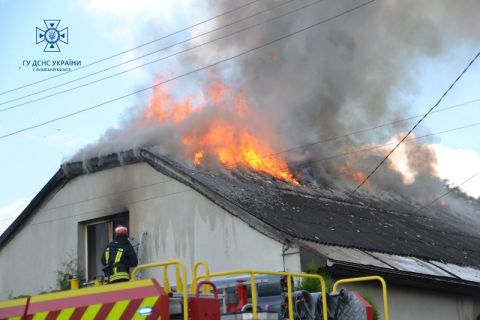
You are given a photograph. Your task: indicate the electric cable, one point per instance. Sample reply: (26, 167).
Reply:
(450, 190)
(189, 72)
(293, 165)
(132, 49)
(310, 144)
(415, 126)
(118, 208)
(148, 54)
(300, 163)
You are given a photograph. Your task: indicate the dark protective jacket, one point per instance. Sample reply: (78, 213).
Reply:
(118, 257)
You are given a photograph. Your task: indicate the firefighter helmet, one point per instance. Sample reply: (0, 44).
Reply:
(121, 230)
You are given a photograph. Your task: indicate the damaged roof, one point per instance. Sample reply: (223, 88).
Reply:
(303, 214)
(322, 216)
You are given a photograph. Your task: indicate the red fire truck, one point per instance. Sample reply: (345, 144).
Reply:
(228, 295)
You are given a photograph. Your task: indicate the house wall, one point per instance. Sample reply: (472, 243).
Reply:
(406, 303)
(180, 223)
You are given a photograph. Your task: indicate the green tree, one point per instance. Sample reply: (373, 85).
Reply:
(313, 285)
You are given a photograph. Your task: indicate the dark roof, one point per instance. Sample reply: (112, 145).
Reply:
(322, 216)
(290, 213)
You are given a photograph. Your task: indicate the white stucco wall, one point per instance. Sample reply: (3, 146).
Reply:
(180, 222)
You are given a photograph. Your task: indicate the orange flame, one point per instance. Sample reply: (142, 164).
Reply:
(354, 174)
(235, 147)
(241, 105)
(197, 158)
(217, 91)
(230, 141)
(163, 108)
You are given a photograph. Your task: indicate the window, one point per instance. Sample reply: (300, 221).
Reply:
(98, 233)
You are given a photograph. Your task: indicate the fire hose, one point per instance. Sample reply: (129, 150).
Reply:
(309, 306)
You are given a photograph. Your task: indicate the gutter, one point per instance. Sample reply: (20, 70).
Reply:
(403, 278)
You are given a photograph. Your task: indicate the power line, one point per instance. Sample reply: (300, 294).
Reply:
(450, 190)
(132, 49)
(150, 53)
(415, 126)
(384, 145)
(190, 72)
(100, 197)
(221, 167)
(307, 145)
(119, 207)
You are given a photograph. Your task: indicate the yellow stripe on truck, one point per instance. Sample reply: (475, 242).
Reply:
(15, 318)
(40, 315)
(65, 314)
(117, 310)
(12, 303)
(89, 291)
(147, 302)
(91, 311)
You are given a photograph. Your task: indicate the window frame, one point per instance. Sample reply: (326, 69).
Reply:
(110, 219)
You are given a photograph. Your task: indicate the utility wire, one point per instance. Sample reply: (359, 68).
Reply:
(121, 207)
(299, 163)
(450, 190)
(189, 72)
(132, 49)
(415, 126)
(151, 53)
(221, 167)
(308, 145)
(102, 196)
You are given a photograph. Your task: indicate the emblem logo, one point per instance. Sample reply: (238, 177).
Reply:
(52, 36)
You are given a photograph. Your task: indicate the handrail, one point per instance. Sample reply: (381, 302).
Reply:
(363, 279)
(197, 264)
(165, 264)
(289, 276)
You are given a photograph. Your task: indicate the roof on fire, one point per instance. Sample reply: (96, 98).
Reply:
(375, 234)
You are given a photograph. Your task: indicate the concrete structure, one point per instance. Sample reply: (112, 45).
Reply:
(188, 220)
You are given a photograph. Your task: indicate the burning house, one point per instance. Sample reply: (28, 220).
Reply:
(249, 165)
(207, 183)
(242, 219)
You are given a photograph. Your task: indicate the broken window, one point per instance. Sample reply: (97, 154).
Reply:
(98, 234)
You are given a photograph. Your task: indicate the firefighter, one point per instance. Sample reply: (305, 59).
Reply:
(118, 257)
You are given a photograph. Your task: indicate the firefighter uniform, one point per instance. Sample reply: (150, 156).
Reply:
(118, 257)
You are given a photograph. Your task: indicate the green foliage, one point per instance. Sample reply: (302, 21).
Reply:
(313, 285)
(69, 269)
(369, 299)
